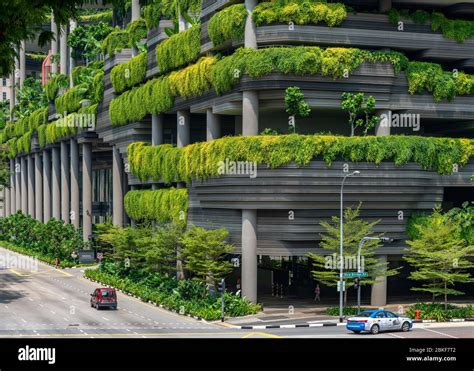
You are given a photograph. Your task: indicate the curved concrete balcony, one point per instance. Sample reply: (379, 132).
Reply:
(312, 194)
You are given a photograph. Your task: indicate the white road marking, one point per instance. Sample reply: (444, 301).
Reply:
(440, 333)
(52, 312)
(106, 318)
(397, 336)
(23, 320)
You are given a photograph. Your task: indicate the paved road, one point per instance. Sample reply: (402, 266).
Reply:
(48, 302)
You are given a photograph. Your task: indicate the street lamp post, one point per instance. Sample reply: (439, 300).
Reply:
(361, 243)
(341, 261)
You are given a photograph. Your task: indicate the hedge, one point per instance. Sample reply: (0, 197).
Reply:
(128, 74)
(179, 50)
(201, 160)
(70, 101)
(299, 12)
(228, 24)
(121, 39)
(455, 29)
(162, 205)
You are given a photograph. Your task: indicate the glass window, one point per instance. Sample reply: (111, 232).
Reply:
(380, 315)
(364, 314)
(391, 315)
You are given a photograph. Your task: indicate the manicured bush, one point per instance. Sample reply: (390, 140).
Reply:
(201, 160)
(163, 205)
(436, 311)
(299, 12)
(129, 74)
(192, 81)
(179, 49)
(228, 24)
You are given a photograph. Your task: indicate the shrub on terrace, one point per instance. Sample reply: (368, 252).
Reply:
(162, 205)
(228, 24)
(299, 12)
(129, 74)
(54, 84)
(200, 160)
(179, 49)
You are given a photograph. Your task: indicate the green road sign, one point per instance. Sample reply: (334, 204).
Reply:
(355, 274)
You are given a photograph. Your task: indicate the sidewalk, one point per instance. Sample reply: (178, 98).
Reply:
(289, 311)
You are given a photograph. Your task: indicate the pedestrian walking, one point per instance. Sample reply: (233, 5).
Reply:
(317, 291)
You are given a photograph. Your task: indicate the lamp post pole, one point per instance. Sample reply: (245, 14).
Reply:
(341, 261)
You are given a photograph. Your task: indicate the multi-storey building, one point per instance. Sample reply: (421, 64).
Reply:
(197, 86)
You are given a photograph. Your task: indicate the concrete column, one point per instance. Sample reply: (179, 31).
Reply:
(65, 183)
(24, 186)
(22, 63)
(249, 255)
(46, 186)
(13, 187)
(31, 185)
(213, 125)
(72, 26)
(379, 288)
(56, 182)
(38, 187)
(156, 129)
(385, 5)
(183, 128)
(86, 191)
(17, 184)
(63, 55)
(75, 196)
(250, 113)
(135, 15)
(17, 68)
(117, 187)
(54, 43)
(6, 202)
(383, 127)
(250, 29)
(12, 94)
(238, 125)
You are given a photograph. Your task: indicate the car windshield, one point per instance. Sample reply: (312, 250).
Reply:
(364, 314)
(106, 293)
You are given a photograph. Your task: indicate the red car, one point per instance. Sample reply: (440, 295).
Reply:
(104, 297)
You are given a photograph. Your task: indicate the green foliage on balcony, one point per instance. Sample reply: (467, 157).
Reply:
(23, 143)
(430, 77)
(454, 29)
(299, 12)
(179, 50)
(202, 160)
(152, 13)
(121, 39)
(157, 95)
(52, 87)
(70, 101)
(126, 75)
(101, 16)
(162, 205)
(221, 74)
(228, 24)
(300, 60)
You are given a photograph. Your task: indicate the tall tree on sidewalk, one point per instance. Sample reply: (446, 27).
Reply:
(439, 256)
(326, 267)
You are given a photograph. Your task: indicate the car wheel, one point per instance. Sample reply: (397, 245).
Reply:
(405, 327)
(374, 330)
(356, 332)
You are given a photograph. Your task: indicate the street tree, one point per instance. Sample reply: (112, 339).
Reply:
(439, 256)
(327, 266)
(204, 251)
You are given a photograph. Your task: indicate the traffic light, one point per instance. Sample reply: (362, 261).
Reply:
(356, 283)
(221, 286)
